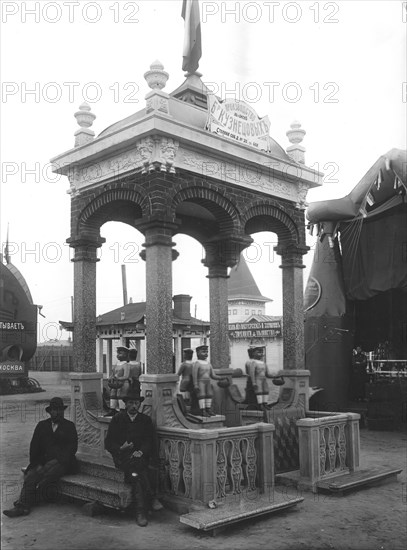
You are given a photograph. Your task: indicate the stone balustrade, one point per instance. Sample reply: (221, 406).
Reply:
(328, 445)
(226, 461)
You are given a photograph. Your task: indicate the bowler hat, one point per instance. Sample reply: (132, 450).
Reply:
(134, 395)
(55, 403)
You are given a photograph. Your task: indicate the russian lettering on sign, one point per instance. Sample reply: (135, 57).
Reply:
(236, 120)
(269, 329)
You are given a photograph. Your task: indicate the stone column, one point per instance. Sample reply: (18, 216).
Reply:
(84, 335)
(221, 254)
(293, 305)
(99, 354)
(158, 255)
(218, 307)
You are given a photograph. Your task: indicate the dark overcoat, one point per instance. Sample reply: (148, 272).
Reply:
(47, 445)
(140, 432)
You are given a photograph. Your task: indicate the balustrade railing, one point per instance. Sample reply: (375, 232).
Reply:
(209, 465)
(329, 445)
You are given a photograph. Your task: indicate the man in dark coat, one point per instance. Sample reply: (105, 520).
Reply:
(52, 454)
(131, 441)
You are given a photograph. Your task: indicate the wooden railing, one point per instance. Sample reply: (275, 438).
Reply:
(225, 462)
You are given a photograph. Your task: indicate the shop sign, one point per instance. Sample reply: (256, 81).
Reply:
(238, 121)
(267, 329)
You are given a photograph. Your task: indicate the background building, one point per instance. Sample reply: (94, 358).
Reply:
(248, 322)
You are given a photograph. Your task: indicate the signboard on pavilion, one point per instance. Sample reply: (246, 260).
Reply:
(264, 329)
(238, 121)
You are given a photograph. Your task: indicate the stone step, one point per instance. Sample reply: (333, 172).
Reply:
(85, 488)
(355, 480)
(232, 511)
(99, 467)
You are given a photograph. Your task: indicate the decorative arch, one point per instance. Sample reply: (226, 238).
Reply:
(224, 211)
(122, 205)
(268, 217)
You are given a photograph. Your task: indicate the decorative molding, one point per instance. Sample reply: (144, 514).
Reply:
(147, 155)
(87, 433)
(258, 179)
(302, 191)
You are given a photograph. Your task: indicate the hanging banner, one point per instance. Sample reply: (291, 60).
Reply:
(236, 120)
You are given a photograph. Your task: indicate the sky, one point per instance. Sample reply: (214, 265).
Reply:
(337, 67)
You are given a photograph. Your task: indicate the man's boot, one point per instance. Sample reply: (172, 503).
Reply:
(16, 512)
(138, 498)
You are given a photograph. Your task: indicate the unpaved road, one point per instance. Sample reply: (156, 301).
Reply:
(373, 518)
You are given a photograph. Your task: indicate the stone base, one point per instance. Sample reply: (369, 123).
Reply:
(234, 510)
(338, 484)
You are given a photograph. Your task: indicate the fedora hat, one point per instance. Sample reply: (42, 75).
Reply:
(132, 394)
(55, 403)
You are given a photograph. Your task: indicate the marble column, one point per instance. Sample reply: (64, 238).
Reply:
(293, 305)
(84, 335)
(158, 255)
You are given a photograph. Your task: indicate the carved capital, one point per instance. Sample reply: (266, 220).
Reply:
(291, 254)
(85, 249)
(225, 251)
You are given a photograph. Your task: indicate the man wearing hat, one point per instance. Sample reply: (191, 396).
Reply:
(131, 441)
(119, 382)
(52, 454)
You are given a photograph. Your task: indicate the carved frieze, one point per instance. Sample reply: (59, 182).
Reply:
(148, 154)
(262, 178)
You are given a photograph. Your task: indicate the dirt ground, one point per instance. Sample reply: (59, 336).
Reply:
(373, 518)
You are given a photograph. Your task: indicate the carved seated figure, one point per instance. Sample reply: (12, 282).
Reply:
(202, 372)
(257, 384)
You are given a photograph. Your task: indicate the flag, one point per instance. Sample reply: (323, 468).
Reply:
(192, 38)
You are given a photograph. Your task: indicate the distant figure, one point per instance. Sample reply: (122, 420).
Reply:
(185, 371)
(52, 454)
(359, 377)
(256, 370)
(135, 370)
(119, 382)
(202, 372)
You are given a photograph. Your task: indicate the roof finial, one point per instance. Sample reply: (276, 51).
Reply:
(84, 118)
(295, 136)
(192, 51)
(156, 77)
